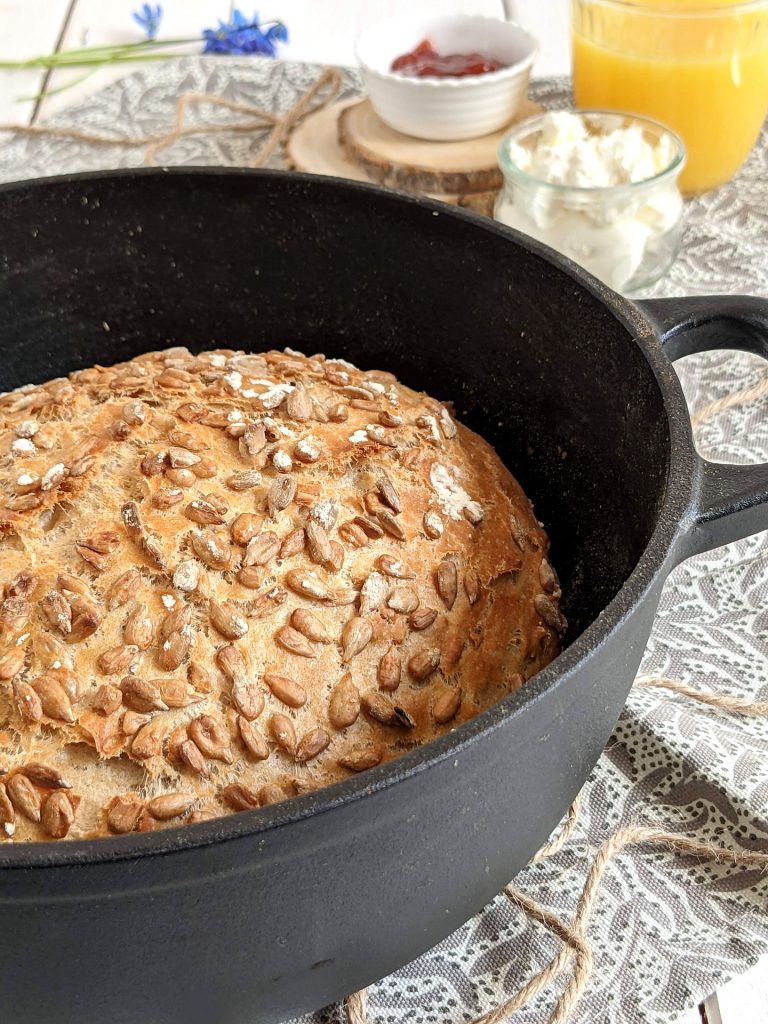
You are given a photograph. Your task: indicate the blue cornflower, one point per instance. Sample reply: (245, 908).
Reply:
(149, 19)
(241, 36)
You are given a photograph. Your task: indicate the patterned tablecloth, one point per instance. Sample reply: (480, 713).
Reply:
(665, 930)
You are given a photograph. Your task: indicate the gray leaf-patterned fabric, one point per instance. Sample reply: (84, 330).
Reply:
(666, 930)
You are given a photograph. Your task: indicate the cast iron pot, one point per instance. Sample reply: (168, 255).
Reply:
(265, 914)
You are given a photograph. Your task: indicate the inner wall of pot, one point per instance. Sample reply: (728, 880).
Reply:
(97, 270)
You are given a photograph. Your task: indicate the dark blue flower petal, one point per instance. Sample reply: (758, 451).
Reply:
(242, 36)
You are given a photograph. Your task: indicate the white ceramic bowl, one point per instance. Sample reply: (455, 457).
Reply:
(446, 108)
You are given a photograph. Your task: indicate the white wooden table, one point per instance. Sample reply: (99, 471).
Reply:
(320, 31)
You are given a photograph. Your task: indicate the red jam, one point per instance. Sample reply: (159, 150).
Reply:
(425, 60)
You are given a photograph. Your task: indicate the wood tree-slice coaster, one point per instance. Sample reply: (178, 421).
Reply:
(314, 147)
(400, 161)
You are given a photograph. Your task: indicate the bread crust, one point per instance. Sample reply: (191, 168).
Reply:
(229, 578)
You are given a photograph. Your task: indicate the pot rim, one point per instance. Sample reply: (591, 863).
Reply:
(670, 518)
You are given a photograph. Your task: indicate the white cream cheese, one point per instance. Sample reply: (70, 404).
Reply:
(612, 234)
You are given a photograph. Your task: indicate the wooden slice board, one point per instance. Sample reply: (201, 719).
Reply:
(400, 161)
(314, 147)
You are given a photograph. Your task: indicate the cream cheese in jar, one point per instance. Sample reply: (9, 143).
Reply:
(600, 188)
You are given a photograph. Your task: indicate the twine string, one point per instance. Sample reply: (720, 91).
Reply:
(323, 91)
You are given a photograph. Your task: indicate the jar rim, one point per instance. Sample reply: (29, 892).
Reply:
(681, 13)
(512, 172)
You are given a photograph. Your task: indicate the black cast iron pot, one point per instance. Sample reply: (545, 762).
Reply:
(265, 914)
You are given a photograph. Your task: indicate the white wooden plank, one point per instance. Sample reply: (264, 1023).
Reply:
(28, 28)
(323, 33)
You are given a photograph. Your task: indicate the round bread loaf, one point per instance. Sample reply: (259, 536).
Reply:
(229, 579)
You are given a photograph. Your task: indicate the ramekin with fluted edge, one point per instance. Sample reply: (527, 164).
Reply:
(449, 108)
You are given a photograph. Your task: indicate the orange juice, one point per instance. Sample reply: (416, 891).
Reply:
(700, 66)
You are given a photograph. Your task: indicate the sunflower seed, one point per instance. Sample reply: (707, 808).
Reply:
(353, 535)
(54, 699)
(29, 703)
(471, 585)
(180, 477)
(298, 405)
(551, 614)
(173, 651)
(283, 733)
(270, 794)
(369, 528)
(252, 443)
(139, 630)
(170, 805)
(389, 419)
(395, 568)
(123, 814)
(423, 618)
(355, 637)
(181, 458)
(191, 755)
(280, 495)
(286, 690)
(123, 589)
(148, 741)
(295, 642)
(308, 624)
(211, 737)
(231, 662)
(433, 525)
(24, 797)
(383, 710)
(390, 524)
(358, 759)
(446, 705)
(57, 815)
(213, 549)
(252, 577)
(146, 544)
(344, 705)
(473, 512)
(187, 576)
(389, 493)
(14, 614)
(198, 678)
(226, 620)
(446, 423)
(423, 663)
(117, 659)
(7, 812)
(293, 543)
(142, 695)
(45, 777)
(447, 582)
(307, 451)
(307, 584)
(12, 663)
(244, 481)
(338, 413)
(389, 670)
(548, 577)
(311, 744)
(166, 498)
(183, 439)
(261, 549)
(254, 743)
(318, 542)
(239, 797)
(176, 693)
(245, 527)
(201, 511)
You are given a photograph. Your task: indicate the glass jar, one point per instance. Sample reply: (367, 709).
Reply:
(700, 66)
(627, 234)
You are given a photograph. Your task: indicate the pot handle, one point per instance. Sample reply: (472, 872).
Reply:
(731, 501)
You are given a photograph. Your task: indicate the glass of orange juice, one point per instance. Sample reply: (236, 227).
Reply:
(700, 66)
